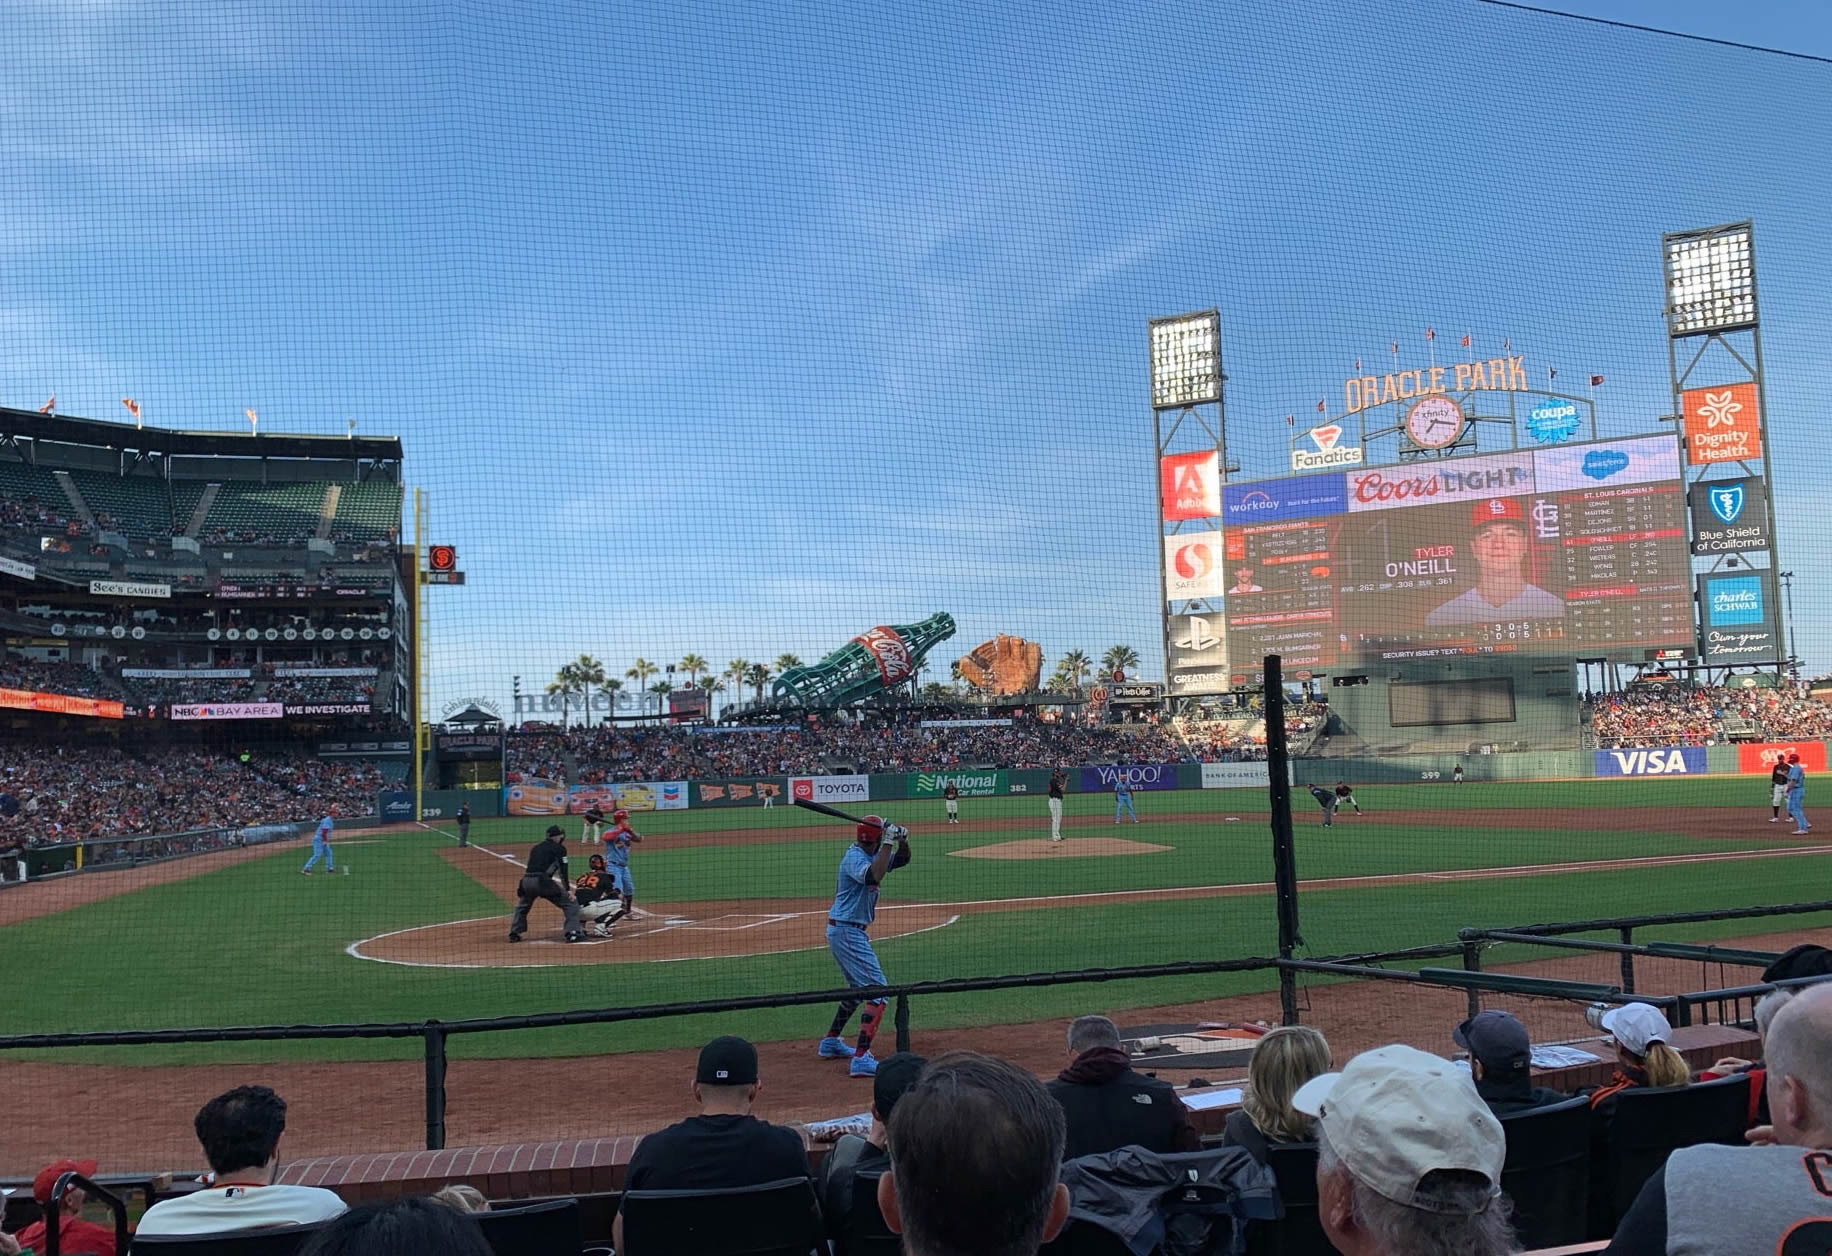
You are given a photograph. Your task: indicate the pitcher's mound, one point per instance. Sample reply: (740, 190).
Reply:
(1044, 848)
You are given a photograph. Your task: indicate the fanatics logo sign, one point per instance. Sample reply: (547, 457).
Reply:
(1329, 451)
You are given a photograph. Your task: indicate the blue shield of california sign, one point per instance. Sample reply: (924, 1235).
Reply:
(1727, 502)
(1729, 516)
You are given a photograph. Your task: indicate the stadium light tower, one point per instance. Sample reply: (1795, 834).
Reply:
(1714, 361)
(1191, 461)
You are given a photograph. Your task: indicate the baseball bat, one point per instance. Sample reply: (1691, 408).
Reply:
(825, 810)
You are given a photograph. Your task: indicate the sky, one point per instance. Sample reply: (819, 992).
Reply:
(740, 328)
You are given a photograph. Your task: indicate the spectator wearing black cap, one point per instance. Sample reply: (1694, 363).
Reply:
(853, 1155)
(724, 1146)
(545, 877)
(1500, 1059)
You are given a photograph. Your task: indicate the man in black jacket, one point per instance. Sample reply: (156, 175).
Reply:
(1500, 1060)
(545, 877)
(1108, 1105)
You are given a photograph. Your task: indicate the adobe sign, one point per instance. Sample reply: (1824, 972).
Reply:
(1189, 485)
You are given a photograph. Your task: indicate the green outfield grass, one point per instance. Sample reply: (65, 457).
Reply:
(255, 943)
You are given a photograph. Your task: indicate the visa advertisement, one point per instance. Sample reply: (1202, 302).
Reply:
(1652, 761)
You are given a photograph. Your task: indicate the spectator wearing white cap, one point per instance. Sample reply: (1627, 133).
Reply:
(1501, 1062)
(1727, 1201)
(1409, 1158)
(1643, 1056)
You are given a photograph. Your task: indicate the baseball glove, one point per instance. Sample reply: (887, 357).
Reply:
(1003, 665)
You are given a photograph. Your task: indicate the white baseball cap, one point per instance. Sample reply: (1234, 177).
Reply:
(1396, 1113)
(1635, 1025)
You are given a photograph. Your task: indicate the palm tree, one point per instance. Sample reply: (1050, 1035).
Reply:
(758, 674)
(693, 665)
(640, 671)
(1119, 658)
(564, 685)
(590, 672)
(1062, 680)
(785, 661)
(1076, 664)
(734, 672)
(662, 687)
(713, 685)
(935, 691)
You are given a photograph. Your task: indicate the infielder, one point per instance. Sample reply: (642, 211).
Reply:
(1327, 801)
(617, 854)
(1797, 795)
(321, 846)
(545, 877)
(879, 846)
(597, 897)
(952, 797)
(1345, 796)
(1058, 783)
(1122, 800)
(1777, 789)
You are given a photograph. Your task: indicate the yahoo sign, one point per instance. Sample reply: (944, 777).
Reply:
(1101, 779)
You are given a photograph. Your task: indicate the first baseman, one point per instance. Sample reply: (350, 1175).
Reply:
(1345, 796)
(1777, 789)
(321, 847)
(878, 847)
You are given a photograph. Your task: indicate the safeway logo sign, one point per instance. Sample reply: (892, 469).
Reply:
(1670, 761)
(1329, 451)
(1192, 566)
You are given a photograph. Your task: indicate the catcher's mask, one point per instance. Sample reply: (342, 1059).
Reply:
(870, 831)
(597, 862)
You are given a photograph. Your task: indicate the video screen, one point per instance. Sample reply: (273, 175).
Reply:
(1573, 550)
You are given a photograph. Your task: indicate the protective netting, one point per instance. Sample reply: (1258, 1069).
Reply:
(697, 410)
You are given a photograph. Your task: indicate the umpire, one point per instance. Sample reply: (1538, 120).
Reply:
(545, 877)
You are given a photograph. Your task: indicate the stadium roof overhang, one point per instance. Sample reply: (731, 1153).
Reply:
(28, 425)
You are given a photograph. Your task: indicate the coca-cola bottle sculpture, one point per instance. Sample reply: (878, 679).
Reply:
(872, 661)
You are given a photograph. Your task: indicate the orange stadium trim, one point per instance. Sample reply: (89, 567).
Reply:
(61, 704)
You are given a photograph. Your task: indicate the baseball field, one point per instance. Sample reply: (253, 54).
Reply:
(733, 903)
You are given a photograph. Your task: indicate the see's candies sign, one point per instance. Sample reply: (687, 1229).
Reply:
(1753, 757)
(1722, 424)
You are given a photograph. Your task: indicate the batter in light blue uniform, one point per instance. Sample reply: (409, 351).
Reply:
(617, 855)
(321, 847)
(1122, 800)
(880, 847)
(1797, 795)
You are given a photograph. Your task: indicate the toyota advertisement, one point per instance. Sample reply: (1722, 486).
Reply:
(1576, 549)
(835, 791)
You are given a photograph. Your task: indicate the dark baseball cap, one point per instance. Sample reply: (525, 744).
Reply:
(727, 1061)
(554, 830)
(1496, 1038)
(896, 1074)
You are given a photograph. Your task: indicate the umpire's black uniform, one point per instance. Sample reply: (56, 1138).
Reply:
(545, 877)
(464, 825)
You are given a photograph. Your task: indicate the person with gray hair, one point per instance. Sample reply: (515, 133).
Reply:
(1769, 1198)
(1409, 1158)
(1108, 1105)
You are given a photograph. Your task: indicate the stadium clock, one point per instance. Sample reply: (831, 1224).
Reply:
(1434, 422)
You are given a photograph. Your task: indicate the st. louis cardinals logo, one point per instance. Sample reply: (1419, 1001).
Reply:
(890, 652)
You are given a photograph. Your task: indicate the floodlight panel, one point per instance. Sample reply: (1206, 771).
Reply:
(1711, 281)
(1186, 360)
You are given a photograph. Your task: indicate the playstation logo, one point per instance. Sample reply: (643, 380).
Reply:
(1200, 636)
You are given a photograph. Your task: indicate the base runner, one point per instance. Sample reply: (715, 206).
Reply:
(878, 847)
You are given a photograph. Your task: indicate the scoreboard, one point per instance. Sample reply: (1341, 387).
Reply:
(1569, 550)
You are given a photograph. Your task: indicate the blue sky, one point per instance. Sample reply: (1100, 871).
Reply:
(741, 328)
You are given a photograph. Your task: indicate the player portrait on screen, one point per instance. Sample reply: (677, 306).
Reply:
(1244, 581)
(1502, 590)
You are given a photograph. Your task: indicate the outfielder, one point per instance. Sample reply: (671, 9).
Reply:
(545, 877)
(1327, 801)
(879, 846)
(597, 897)
(1777, 789)
(321, 847)
(617, 855)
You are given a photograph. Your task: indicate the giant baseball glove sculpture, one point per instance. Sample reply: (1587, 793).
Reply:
(1003, 665)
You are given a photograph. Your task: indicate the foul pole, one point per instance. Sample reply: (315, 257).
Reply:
(419, 653)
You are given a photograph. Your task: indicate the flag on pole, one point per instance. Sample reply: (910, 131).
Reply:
(1595, 380)
(48, 406)
(254, 420)
(1319, 407)
(1431, 333)
(1551, 373)
(1507, 344)
(1358, 366)
(1290, 421)
(1466, 340)
(1396, 348)
(133, 407)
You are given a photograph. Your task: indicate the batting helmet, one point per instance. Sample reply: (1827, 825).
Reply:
(870, 830)
(620, 814)
(1793, 758)
(597, 862)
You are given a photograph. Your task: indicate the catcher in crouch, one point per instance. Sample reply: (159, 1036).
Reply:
(879, 847)
(597, 896)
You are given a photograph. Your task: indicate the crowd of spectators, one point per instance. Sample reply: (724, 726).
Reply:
(1704, 715)
(966, 1154)
(52, 795)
